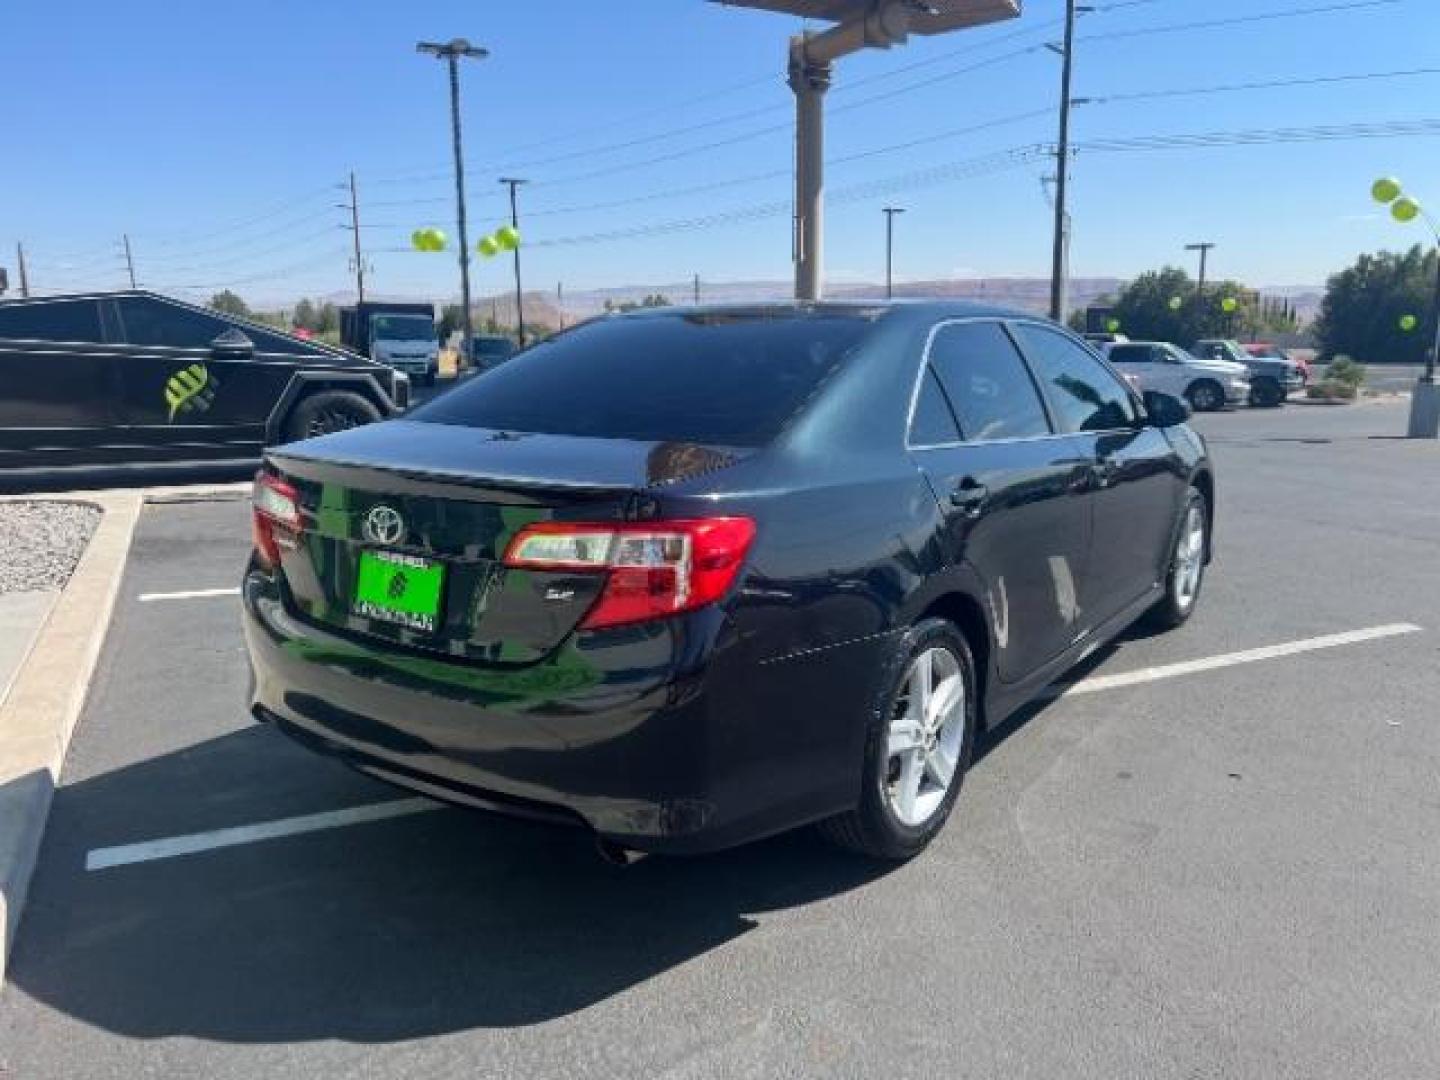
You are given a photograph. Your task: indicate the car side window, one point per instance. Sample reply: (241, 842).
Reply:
(986, 381)
(933, 423)
(1083, 395)
(154, 322)
(1130, 354)
(51, 320)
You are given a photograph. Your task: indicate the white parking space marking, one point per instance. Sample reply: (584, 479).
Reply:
(1247, 656)
(193, 843)
(189, 594)
(168, 848)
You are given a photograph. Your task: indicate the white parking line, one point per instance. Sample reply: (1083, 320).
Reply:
(188, 594)
(1247, 656)
(168, 848)
(193, 843)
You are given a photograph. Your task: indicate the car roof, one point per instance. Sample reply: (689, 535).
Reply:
(917, 309)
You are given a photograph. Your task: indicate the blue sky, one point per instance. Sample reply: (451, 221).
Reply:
(214, 135)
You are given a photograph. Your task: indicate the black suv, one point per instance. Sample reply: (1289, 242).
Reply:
(134, 377)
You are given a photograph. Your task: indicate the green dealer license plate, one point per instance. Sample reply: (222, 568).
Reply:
(397, 588)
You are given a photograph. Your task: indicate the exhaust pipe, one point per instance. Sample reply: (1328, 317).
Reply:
(617, 854)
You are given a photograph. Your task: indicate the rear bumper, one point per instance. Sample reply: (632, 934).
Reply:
(659, 738)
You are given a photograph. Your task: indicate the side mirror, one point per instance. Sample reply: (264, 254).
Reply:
(1165, 410)
(232, 344)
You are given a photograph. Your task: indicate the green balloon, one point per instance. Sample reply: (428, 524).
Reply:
(1386, 189)
(1112, 325)
(1229, 304)
(508, 237)
(488, 247)
(417, 240)
(1408, 323)
(1176, 303)
(1404, 209)
(428, 239)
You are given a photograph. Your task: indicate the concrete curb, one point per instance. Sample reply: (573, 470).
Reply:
(38, 715)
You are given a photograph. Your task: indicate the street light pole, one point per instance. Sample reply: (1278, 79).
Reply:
(452, 51)
(890, 212)
(1204, 250)
(514, 183)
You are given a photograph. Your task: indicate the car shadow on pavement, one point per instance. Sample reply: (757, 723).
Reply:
(415, 926)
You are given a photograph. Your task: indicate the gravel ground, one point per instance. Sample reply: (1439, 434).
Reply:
(40, 543)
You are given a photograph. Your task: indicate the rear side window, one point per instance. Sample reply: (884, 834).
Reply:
(152, 322)
(1129, 354)
(933, 423)
(51, 320)
(1083, 394)
(986, 381)
(733, 379)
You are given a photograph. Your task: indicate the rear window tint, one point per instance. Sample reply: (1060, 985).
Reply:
(734, 379)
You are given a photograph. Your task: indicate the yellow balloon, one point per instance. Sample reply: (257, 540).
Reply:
(1112, 325)
(1386, 189)
(418, 240)
(1228, 304)
(488, 247)
(1408, 322)
(508, 237)
(1404, 209)
(1176, 303)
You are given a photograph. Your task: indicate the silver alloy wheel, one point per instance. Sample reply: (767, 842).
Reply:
(1189, 558)
(927, 727)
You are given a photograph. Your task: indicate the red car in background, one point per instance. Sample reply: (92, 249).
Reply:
(1264, 350)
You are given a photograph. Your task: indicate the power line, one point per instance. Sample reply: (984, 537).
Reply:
(1195, 91)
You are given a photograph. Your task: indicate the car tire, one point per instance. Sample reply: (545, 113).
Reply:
(323, 412)
(1265, 393)
(1205, 395)
(895, 819)
(1185, 572)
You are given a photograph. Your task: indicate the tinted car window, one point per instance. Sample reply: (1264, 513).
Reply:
(1082, 394)
(59, 320)
(1130, 354)
(153, 322)
(933, 423)
(732, 379)
(986, 381)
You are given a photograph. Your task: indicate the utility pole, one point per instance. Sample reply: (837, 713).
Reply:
(452, 51)
(129, 259)
(1204, 250)
(1058, 284)
(354, 208)
(697, 290)
(890, 212)
(514, 183)
(24, 277)
(560, 302)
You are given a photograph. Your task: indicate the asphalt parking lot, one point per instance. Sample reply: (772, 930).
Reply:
(1216, 855)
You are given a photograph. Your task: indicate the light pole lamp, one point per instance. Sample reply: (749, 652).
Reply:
(514, 182)
(1425, 400)
(452, 52)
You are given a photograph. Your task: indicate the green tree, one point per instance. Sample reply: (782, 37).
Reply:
(1163, 305)
(1364, 303)
(304, 317)
(228, 303)
(327, 318)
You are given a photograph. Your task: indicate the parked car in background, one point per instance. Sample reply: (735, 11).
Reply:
(1271, 380)
(1105, 338)
(1157, 365)
(133, 377)
(1263, 350)
(781, 567)
(400, 335)
(490, 350)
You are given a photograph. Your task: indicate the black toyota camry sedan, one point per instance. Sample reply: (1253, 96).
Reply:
(690, 577)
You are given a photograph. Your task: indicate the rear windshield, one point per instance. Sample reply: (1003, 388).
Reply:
(729, 379)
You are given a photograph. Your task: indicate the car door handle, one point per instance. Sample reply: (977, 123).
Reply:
(969, 495)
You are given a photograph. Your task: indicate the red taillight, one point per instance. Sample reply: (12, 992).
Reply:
(653, 569)
(274, 518)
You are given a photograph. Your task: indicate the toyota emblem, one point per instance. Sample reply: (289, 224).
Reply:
(383, 525)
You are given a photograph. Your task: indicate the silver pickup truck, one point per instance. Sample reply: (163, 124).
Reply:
(1271, 378)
